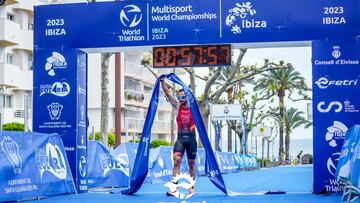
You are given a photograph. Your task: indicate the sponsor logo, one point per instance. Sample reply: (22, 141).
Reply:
(337, 107)
(60, 89)
(324, 83)
(238, 18)
(108, 163)
(336, 54)
(332, 163)
(161, 162)
(175, 184)
(55, 110)
(146, 141)
(130, 16)
(51, 159)
(82, 166)
(11, 149)
(226, 110)
(335, 133)
(81, 91)
(56, 61)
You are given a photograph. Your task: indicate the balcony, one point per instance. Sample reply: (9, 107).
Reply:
(12, 76)
(27, 5)
(136, 125)
(25, 40)
(133, 70)
(10, 2)
(148, 77)
(9, 35)
(133, 98)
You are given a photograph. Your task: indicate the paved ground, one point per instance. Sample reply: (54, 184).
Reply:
(295, 181)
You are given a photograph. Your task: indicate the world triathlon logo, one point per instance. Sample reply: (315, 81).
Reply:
(130, 16)
(56, 61)
(335, 133)
(332, 163)
(239, 18)
(175, 184)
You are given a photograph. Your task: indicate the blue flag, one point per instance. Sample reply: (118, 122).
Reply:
(244, 134)
(217, 135)
(142, 157)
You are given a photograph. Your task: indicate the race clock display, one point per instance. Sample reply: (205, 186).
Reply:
(191, 56)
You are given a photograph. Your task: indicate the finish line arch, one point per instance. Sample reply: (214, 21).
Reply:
(65, 33)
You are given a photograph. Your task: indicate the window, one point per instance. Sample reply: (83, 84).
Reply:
(31, 62)
(9, 58)
(2, 101)
(31, 26)
(11, 16)
(6, 101)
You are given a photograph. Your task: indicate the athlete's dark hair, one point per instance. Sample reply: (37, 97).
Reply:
(180, 90)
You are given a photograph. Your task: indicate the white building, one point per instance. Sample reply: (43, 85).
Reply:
(16, 65)
(16, 58)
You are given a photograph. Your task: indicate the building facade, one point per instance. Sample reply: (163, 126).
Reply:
(16, 59)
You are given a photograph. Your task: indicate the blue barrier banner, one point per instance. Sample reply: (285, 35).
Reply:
(336, 106)
(33, 165)
(344, 164)
(355, 166)
(162, 22)
(162, 169)
(60, 103)
(104, 170)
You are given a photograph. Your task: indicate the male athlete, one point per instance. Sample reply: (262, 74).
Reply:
(186, 139)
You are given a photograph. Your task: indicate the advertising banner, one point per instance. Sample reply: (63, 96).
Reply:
(336, 104)
(162, 22)
(60, 103)
(226, 112)
(33, 165)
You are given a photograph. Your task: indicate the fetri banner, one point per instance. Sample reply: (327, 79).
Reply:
(33, 165)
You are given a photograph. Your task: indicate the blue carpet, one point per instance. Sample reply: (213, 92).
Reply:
(296, 181)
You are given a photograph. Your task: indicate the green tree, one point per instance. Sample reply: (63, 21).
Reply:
(278, 82)
(293, 118)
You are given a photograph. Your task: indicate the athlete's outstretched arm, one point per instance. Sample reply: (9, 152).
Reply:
(174, 103)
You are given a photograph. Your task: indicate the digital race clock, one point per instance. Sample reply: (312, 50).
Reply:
(192, 56)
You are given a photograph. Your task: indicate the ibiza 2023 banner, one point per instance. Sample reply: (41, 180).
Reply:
(60, 103)
(336, 105)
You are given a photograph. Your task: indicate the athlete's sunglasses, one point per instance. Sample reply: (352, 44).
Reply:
(181, 97)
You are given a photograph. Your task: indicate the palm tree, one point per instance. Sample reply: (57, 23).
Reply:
(293, 118)
(278, 82)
